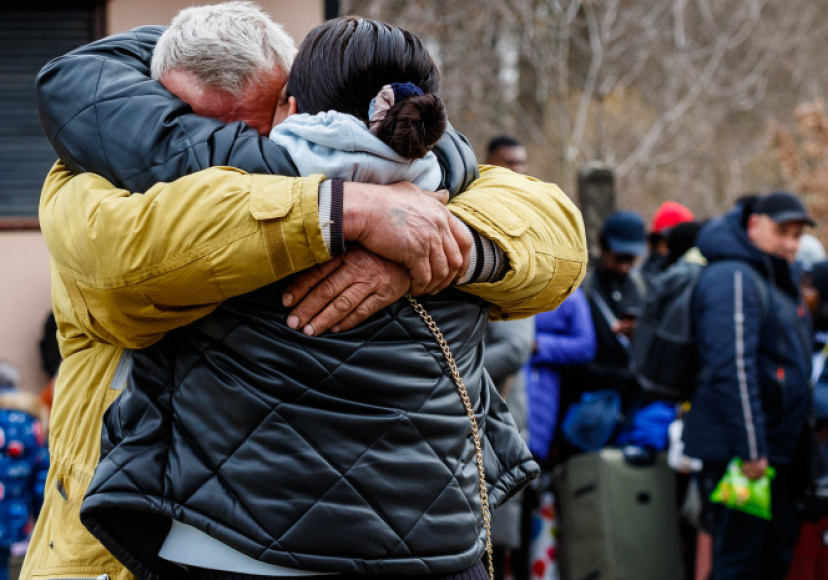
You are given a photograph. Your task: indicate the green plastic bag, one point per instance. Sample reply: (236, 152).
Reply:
(736, 491)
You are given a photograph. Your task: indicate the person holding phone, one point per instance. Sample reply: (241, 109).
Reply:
(615, 290)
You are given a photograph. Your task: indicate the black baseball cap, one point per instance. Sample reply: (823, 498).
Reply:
(782, 207)
(624, 233)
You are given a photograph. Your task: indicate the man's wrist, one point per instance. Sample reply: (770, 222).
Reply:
(488, 263)
(331, 215)
(353, 209)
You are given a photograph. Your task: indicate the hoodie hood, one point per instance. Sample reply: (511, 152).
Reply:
(338, 145)
(338, 131)
(725, 238)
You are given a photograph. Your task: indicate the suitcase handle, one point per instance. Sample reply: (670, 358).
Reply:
(639, 456)
(581, 491)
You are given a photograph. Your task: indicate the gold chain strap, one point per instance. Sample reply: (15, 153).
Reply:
(478, 448)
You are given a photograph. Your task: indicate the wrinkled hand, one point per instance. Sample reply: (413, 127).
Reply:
(406, 225)
(343, 292)
(755, 469)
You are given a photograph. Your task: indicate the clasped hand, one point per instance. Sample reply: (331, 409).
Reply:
(402, 239)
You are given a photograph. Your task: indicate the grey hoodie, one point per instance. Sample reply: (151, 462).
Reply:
(340, 146)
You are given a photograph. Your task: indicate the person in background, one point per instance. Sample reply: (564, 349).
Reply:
(24, 462)
(648, 424)
(508, 346)
(668, 216)
(505, 151)
(681, 240)
(50, 358)
(811, 252)
(815, 294)
(564, 337)
(614, 291)
(754, 345)
(9, 377)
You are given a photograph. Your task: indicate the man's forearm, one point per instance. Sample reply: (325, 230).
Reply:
(144, 264)
(487, 262)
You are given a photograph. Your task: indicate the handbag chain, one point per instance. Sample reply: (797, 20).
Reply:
(478, 447)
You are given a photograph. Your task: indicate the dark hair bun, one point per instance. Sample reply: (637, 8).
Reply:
(414, 125)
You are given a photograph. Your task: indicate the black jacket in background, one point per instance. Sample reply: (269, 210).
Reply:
(609, 369)
(754, 343)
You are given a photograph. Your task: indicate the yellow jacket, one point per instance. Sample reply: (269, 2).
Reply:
(126, 269)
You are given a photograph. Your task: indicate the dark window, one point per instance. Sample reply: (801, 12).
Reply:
(28, 40)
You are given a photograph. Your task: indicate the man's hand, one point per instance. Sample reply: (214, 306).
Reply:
(406, 225)
(343, 292)
(755, 469)
(625, 326)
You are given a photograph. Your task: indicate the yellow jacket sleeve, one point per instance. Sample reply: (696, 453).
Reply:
(137, 266)
(541, 231)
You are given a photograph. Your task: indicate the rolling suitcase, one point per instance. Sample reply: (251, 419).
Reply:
(618, 520)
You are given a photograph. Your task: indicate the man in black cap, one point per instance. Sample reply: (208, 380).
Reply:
(615, 291)
(753, 399)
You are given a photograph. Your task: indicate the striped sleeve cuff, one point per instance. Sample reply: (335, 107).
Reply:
(487, 261)
(331, 215)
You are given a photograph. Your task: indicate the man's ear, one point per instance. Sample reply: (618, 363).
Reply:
(751, 226)
(292, 109)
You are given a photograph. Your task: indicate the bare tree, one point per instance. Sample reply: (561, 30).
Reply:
(671, 93)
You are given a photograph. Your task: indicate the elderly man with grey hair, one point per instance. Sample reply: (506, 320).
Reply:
(130, 267)
(228, 61)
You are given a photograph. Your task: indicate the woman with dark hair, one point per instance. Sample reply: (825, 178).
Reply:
(243, 449)
(378, 63)
(344, 118)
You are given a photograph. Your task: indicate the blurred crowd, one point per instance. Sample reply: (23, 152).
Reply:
(691, 344)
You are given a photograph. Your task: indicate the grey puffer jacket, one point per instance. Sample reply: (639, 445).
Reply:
(341, 453)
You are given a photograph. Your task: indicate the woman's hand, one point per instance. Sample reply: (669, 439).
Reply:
(343, 292)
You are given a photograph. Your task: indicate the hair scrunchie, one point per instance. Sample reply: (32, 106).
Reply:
(387, 97)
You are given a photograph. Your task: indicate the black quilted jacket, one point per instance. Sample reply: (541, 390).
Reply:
(341, 453)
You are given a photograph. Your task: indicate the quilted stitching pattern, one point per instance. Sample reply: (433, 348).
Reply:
(285, 440)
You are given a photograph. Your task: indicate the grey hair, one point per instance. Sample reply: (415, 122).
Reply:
(226, 46)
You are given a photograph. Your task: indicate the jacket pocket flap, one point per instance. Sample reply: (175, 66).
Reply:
(270, 200)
